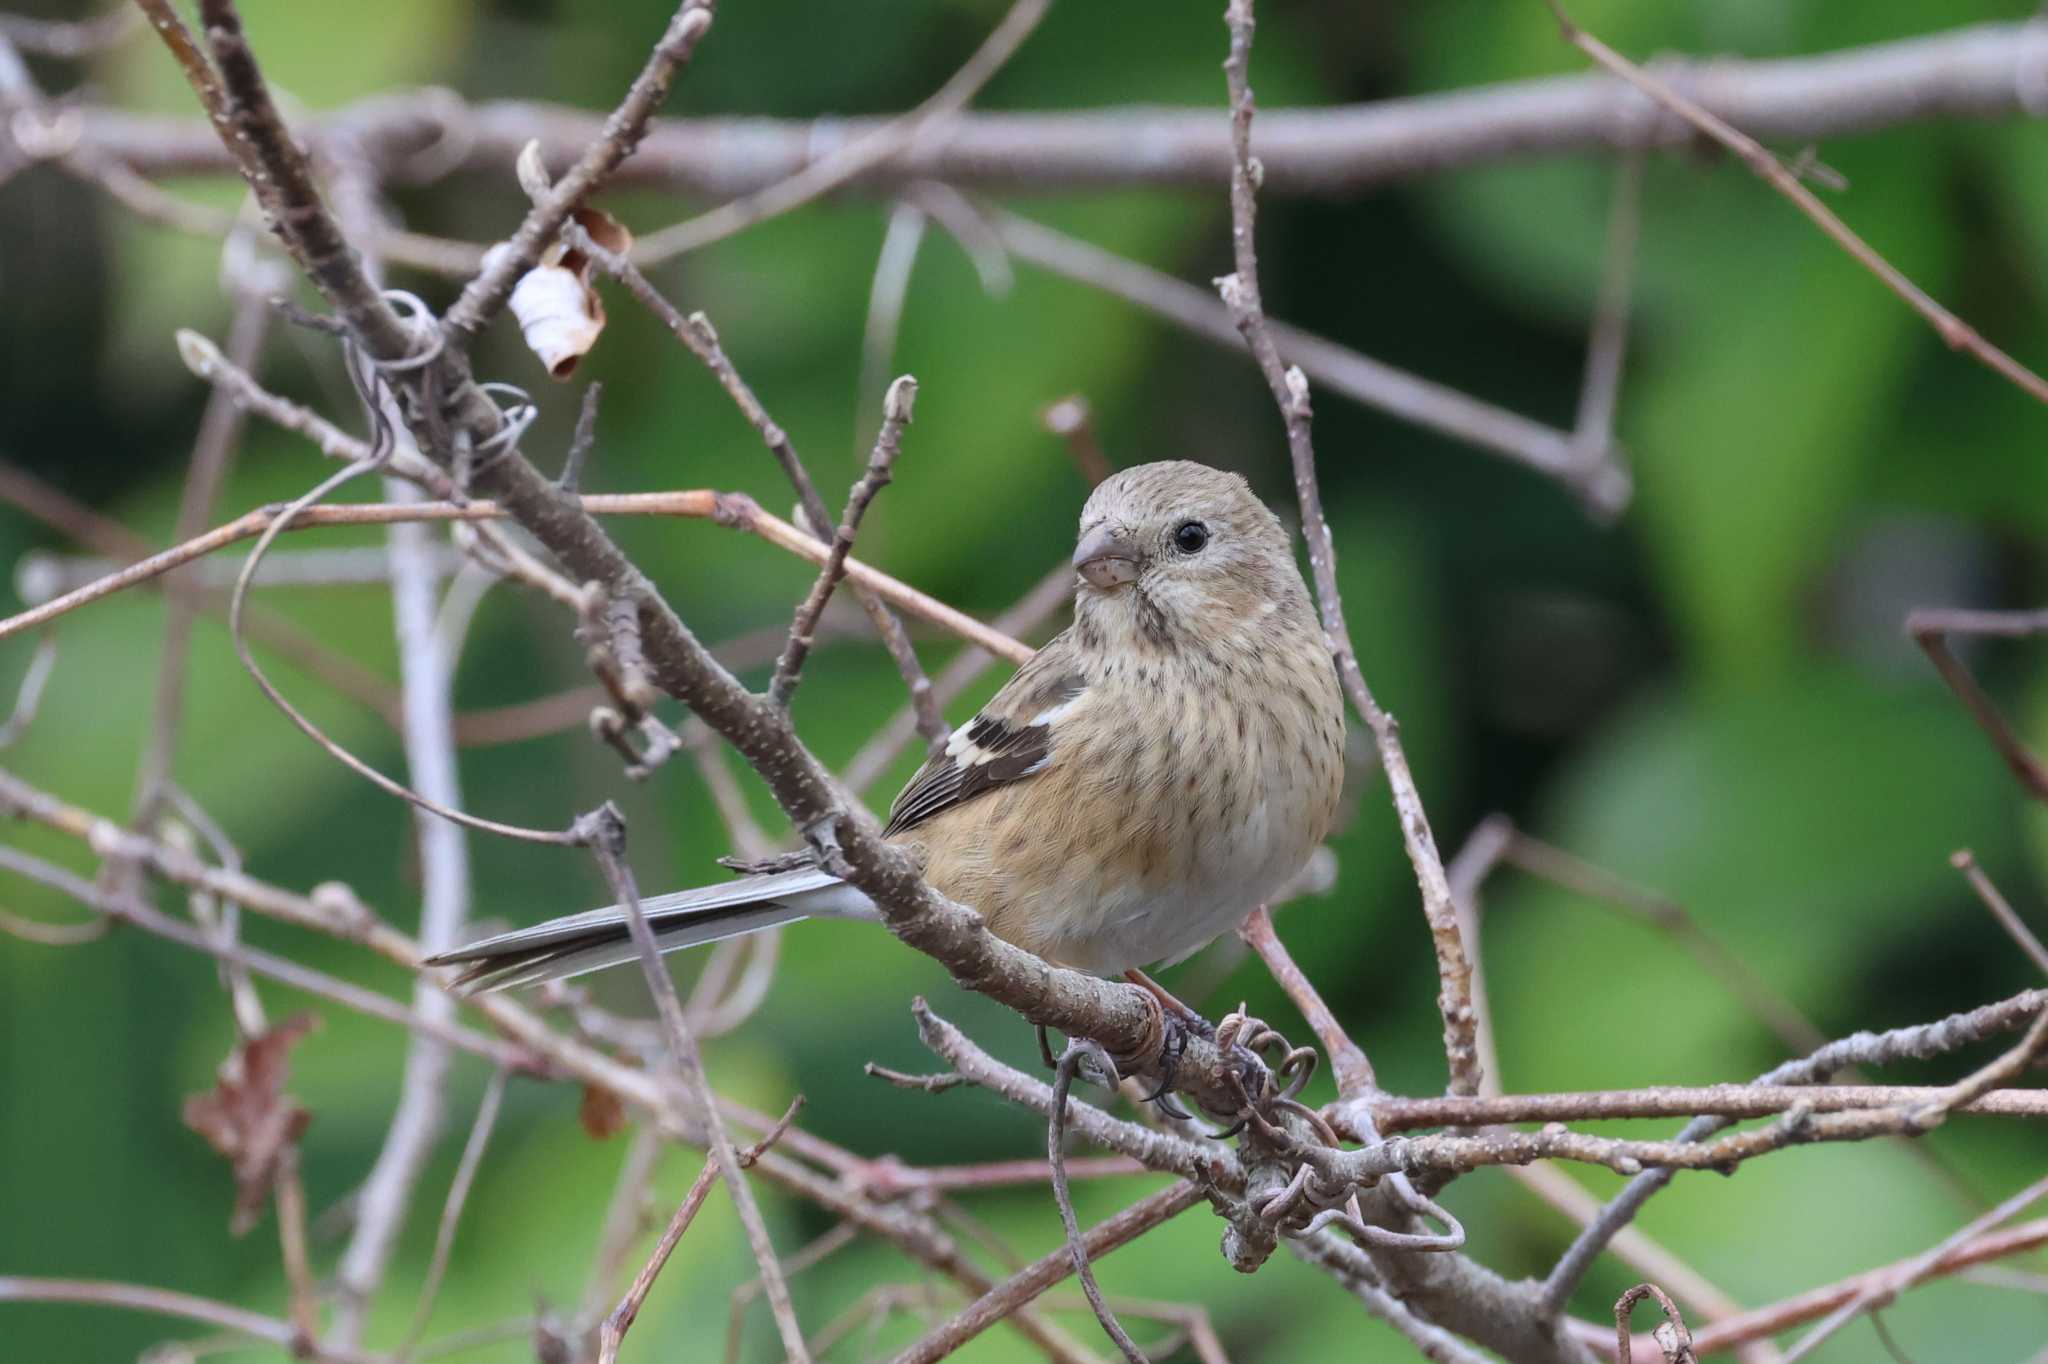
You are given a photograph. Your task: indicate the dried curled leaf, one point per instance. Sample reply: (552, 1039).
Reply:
(603, 1113)
(559, 312)
(248, 1118)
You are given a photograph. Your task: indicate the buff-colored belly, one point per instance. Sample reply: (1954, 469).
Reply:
(1138, 856)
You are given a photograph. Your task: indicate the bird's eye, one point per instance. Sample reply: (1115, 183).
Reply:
(1190, 536)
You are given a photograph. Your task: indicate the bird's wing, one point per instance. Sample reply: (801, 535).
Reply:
(1011, 739)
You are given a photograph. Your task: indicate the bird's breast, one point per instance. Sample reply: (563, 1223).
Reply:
(1175, 801)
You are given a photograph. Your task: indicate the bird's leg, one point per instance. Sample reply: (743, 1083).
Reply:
(1193, 1021)
(1180, 1020)
(1177, 1020)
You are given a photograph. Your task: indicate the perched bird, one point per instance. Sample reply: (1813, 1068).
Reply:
(1154, 773)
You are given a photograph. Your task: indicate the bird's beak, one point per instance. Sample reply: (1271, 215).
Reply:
(1106, 558)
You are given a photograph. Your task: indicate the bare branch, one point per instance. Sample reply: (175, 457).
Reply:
(427, 664)
(1407, 397)
(1972, 72)
(1240, 292)
(822, 176)
(896, 410)
(1393, 1114)
(1673, 1339)
(1354, 1072)
(1881, 1290)
(734, 510)
(2008, 919)
(1930, 630)
(601, 155)
(451, 1210)
(604, 832)
(147, 917)
(1818, 1302)
(166, 1302)
(1861, 1049)
(1607, 347)
(1079, 1050)
(1954, 332)
(699, 337)
(1049, 1269)
(28, 697)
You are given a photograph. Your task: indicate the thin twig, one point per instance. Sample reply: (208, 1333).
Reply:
(165, 1302)
(735, 510)
(1073, 421)
(700, 338)
(200, 76)
(1673, 1338)
(1407, 397)
(1861, 1049)
(626, 1218)
(831, 171)
(485, 295)
(1347, 1059)
(1394, 1114)
(2008, 918)
(427, 663)
(283, 970)
(1607, 347)
(291, 1235)
(213, 454)
(1765, 1322)
(1930, 630)
(1954, 332)
(604, 834)
(896, 414)
(612, 1332)
(1240, 292)
(1881, 1290)
(1079, 1050)
(887, 294)
(28, 697)
(1049, 1269)
(841, 1235)
(271, 526)
(451, 1210)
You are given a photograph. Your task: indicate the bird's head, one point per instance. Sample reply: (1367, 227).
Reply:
(1180, 548)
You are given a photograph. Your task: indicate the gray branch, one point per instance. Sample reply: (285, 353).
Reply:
(1986, 71)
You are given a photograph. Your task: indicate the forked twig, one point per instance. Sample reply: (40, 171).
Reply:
(603, 831)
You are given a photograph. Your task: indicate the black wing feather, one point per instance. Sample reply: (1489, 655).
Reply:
(998, 747)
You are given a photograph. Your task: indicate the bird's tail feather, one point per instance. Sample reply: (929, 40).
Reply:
(598, 938)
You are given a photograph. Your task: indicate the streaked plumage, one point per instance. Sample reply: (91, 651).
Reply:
(1156, 771)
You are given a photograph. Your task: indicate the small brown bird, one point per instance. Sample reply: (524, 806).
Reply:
(1153, 774)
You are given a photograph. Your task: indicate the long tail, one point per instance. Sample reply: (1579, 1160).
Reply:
(598, 938)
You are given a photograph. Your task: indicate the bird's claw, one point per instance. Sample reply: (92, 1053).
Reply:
(1172, 1046)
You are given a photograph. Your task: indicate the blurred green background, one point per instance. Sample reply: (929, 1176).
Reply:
(1712, 697)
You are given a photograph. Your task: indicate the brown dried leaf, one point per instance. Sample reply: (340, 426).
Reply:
(603, 1113)
(248, 1118)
